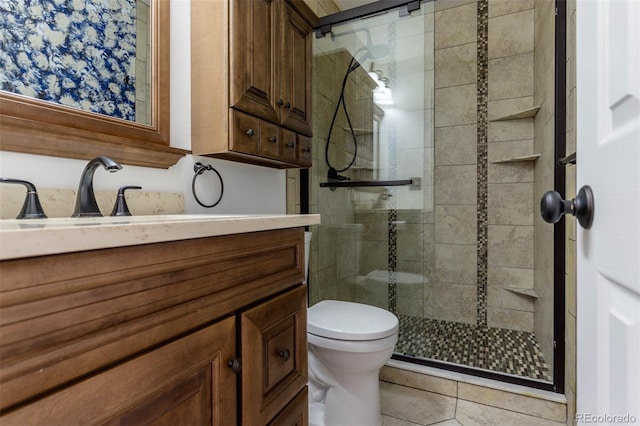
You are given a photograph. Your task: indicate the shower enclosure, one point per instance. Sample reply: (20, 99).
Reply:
(432, 140)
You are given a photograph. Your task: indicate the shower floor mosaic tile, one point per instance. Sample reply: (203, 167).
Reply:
(495, 349)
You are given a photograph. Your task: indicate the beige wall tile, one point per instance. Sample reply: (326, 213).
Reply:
(456, 26)
(537, 407)
(410, 306)
(456, 65)
(516, 172)
(510, 277)
(510, 246)
(510, 319)
(456, 224)
(410, 242)
(511, 130)
(511, 77)
(415, 405)
(456, 145)
(455, 302)
(474, 414)
(502, 7)
(456, 185)
(419, 381)
(456, 263)
(505, 107)
(570, 352)
(511, 34)
(499, 297)
(510, 204)
(456, 105)
(60, 202)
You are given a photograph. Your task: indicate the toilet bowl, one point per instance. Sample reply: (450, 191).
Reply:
(348, 343)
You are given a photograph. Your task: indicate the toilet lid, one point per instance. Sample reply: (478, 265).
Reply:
(350, 321)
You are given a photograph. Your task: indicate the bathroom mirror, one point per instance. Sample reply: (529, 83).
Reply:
(87, 78)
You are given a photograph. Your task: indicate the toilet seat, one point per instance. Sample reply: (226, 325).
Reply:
(347, 321)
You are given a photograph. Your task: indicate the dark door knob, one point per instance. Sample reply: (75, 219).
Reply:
(552, 207)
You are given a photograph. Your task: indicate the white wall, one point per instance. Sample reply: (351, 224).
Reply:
(247, 188)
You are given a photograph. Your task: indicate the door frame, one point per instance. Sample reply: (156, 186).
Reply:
(559, 229)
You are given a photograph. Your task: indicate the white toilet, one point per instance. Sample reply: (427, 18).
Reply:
(348, 344)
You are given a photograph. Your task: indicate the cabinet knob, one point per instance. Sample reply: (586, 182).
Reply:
(285, 355)
(280, 102)
(250, 132)
(287, 105)
(291, 145)
(235, 365)
(273, 139)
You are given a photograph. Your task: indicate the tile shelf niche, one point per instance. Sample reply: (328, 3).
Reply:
(526, 113)
(524, 291)
(531, 157)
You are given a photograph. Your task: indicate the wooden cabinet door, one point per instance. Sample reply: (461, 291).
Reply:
(254, 58)
(185, 382)
(296, 413)
(295, 72)
(274, 355)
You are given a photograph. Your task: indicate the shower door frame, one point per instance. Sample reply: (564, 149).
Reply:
(558, 383)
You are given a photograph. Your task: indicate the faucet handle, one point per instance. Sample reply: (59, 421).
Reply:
(120, 208)
(31, 209)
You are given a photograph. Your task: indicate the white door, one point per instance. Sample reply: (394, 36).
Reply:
(608, 160)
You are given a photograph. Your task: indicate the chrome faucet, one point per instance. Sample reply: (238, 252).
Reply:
(86, 204)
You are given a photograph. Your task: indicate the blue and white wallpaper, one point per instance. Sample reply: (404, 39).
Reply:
(79, 53)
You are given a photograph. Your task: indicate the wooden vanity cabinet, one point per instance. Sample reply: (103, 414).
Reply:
(149, 334)
(252, 59)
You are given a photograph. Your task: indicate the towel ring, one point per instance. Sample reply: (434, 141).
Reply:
(199, 169)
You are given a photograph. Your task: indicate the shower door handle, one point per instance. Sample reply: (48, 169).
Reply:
(552, 207)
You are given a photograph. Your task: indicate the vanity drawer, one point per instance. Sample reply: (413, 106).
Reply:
(246, 133)
(274, 348)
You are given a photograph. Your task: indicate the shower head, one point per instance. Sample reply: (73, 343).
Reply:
(377, 51)
(369, 50)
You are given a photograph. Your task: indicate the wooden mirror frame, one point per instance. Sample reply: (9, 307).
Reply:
(34, 126)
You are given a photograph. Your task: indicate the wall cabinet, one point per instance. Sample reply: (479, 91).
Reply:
(251, 81)
(200, 332)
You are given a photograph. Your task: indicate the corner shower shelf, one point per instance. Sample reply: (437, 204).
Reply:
(532, 157)
(523, 291)
(526, 113)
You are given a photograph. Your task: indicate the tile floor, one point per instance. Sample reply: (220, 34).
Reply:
(496, 349)
(413, 399)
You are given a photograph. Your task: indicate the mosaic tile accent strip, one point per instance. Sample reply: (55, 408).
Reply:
(496, 349)
(482, 163)
(392, 164)
(392, 227)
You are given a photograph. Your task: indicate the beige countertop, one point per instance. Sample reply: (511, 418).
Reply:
(38, 237)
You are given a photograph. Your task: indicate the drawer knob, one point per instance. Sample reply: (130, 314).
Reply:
(235, 365)
(306, 149)
(285, 355)
(291, 145)
(272, 139)
(250, 132)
